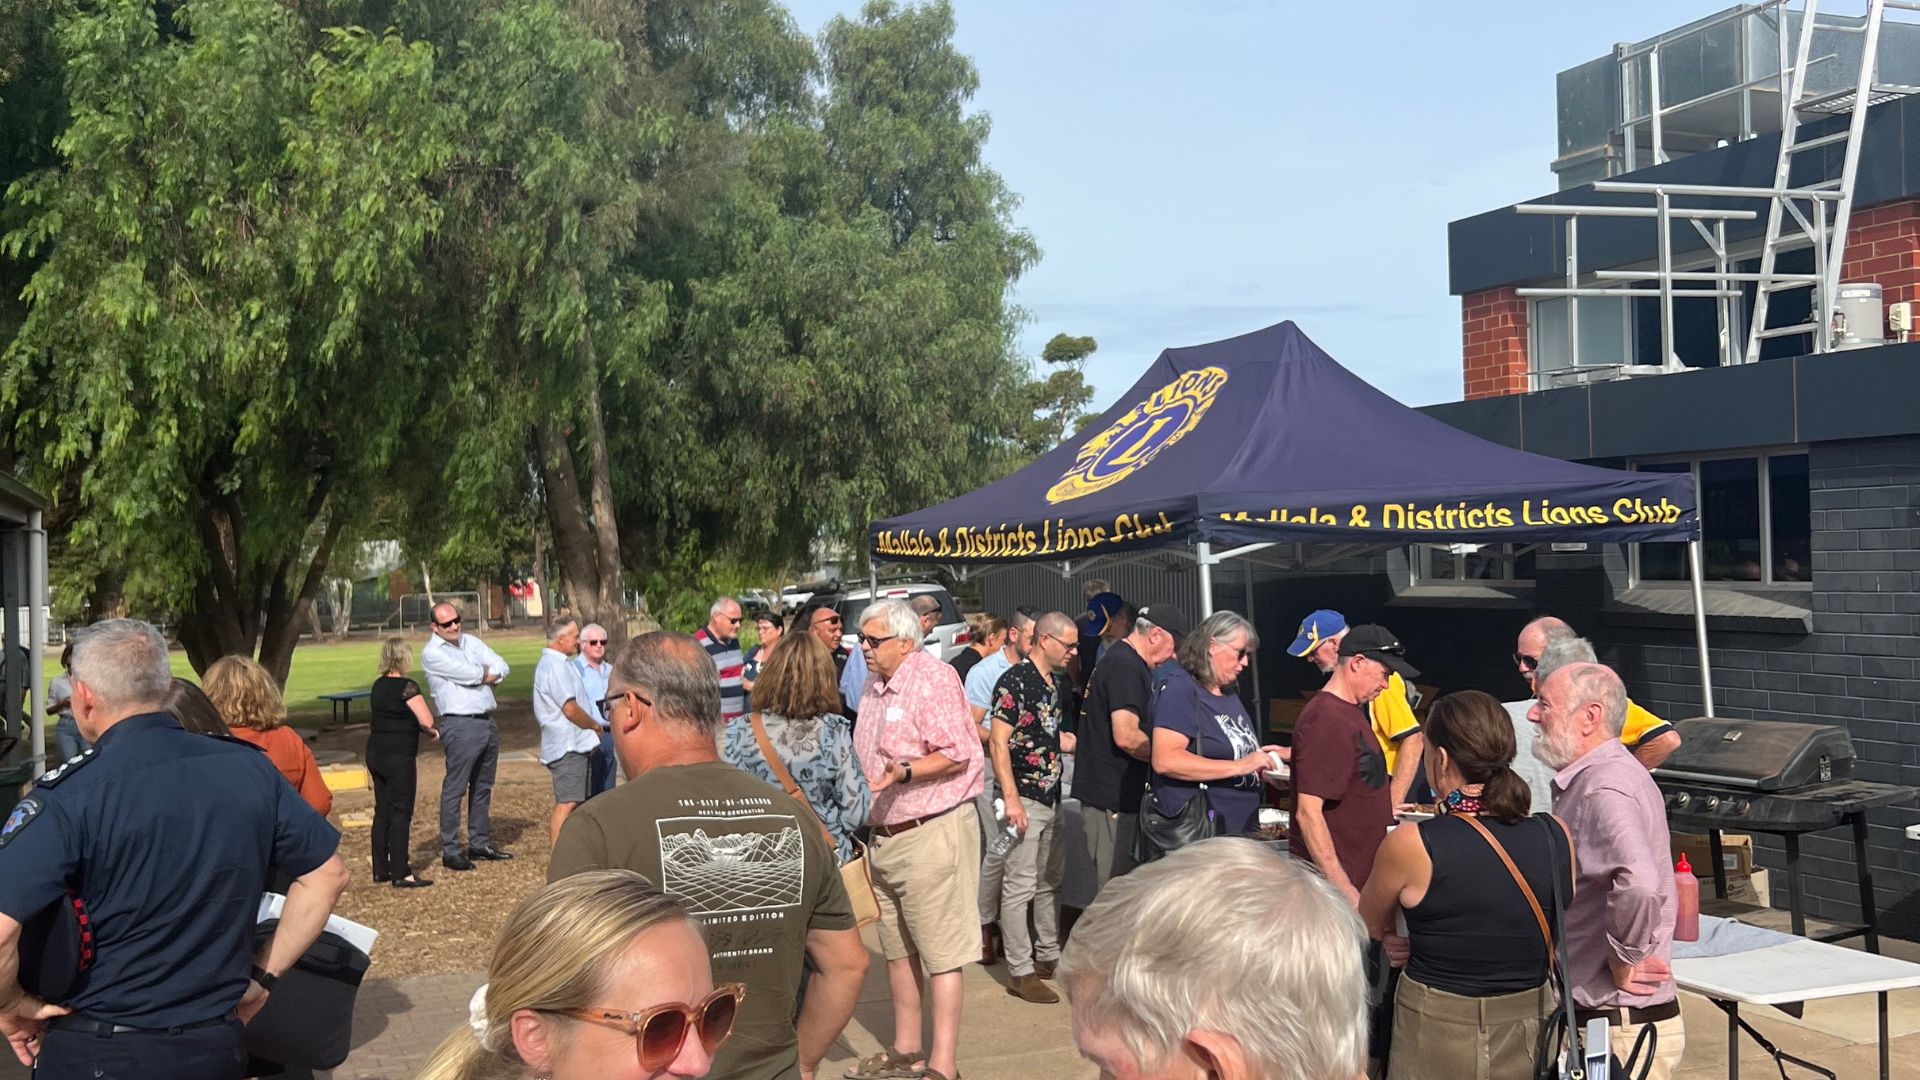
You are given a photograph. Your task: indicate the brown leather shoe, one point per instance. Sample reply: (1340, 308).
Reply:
(1043, 968)
(1030, 988)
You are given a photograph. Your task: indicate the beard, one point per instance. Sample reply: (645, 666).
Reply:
(1556, 751)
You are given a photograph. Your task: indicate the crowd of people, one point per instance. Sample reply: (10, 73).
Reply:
(723, 817)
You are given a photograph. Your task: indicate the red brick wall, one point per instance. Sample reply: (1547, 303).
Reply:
(1494, 338)
(1883, 247)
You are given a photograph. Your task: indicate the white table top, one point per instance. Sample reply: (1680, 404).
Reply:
(1799, 970)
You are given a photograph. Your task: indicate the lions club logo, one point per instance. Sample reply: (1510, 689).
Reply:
(1133, 440)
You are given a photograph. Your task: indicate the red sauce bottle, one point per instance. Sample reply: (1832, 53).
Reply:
(1686, 918)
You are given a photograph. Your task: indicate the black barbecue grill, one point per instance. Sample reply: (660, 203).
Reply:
(1784, 779)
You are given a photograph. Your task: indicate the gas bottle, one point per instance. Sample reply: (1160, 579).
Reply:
(1686, 917)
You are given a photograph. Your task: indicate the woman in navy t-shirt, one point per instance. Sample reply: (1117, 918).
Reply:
(1201, 731)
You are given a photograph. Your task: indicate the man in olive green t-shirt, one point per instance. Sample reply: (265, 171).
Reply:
(752, 863)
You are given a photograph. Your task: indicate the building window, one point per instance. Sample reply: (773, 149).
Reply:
(1487, 564)
(1755, 522)
(1605, 333)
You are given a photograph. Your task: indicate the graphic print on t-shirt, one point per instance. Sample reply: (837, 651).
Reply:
(1239, 732)
(1372, 763)
(733, 864)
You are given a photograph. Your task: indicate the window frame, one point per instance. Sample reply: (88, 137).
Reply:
(1762, 457)
(1509, 561)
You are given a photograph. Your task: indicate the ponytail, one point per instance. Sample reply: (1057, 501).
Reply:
(1505, 797)
(461, 1057)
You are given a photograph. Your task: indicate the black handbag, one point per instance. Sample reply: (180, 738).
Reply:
(1158, 832)
(307, 1021)
(1561, 1029)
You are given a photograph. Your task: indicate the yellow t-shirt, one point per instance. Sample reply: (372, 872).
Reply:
(1640, 726)
(1392, 718)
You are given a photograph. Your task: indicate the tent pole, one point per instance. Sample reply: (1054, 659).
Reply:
(36, 642)
(1203, 557)
(1247, 569)
(1700, 626)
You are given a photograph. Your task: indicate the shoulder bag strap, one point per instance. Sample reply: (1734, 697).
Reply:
(1562, 894)
(781, 774)
(1539, 916)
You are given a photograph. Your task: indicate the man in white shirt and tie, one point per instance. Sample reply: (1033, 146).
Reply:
(461, 674)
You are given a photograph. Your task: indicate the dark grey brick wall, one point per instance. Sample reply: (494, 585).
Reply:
(1859, 667)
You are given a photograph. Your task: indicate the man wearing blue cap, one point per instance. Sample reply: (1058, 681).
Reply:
(1394, 724)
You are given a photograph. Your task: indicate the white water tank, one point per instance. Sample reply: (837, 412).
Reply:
(1859, 317)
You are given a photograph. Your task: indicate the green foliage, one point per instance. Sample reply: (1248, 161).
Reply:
(1059, 399)
(300, 275)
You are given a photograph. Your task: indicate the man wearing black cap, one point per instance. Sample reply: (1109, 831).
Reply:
(1342, 806)
(1110, 759)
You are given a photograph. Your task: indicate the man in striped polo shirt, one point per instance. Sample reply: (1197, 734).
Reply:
(721, 638)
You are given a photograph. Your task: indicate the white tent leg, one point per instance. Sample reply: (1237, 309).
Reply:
(1247, 569)
(1203, 557)
(1700, 627)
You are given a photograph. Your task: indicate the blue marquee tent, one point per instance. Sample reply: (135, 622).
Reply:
(1229, 448)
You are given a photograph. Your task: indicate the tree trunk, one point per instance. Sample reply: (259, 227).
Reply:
(573, 536)
(426, 584)
(540, 568)
(606, 525)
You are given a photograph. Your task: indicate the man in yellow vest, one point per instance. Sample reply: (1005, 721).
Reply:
(1651, 739)
(1318, 643)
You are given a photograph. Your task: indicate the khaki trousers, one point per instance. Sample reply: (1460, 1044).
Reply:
(1442, 1036)
(1033, 871)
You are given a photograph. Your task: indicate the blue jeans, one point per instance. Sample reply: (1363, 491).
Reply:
(602, 763)
(66, 735)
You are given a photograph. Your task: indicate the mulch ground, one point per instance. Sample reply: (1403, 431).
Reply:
(450, 927)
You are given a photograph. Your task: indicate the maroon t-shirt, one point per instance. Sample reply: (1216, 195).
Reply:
(1336, 757)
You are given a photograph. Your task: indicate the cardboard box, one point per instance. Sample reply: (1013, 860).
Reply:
(1736, 853)
(1281, 715)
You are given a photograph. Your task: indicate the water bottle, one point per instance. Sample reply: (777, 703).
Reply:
(1686, 917)
(1011, 836)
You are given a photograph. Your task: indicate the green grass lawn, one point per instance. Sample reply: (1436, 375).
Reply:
(351, 665)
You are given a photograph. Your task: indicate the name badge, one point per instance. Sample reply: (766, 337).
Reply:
(895, 713)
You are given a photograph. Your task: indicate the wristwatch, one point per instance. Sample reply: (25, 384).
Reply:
(906, 772)
(266, 979)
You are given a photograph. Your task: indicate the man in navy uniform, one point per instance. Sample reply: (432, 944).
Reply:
(167, 840)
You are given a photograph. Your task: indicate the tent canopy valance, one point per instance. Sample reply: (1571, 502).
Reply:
(1264, 438)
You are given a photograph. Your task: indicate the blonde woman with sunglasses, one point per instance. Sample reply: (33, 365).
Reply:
(598, 976)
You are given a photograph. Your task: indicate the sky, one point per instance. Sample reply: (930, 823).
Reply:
(1200, 169)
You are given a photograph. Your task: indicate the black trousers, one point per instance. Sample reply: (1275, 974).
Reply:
(214, 1052)
(394, 778)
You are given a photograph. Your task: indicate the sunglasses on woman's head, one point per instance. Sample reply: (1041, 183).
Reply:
(659, 1032)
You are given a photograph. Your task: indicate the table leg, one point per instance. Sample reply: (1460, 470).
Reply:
(1733, 1040)
(1717, 849)
(1794, 906)
(1868, 916)
(1882, 995)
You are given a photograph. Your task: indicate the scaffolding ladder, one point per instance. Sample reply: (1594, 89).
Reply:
(1826, 232)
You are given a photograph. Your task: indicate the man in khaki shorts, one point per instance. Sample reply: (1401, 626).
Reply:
(920, 750)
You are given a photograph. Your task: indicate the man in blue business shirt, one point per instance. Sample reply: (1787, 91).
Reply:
(593, 666)
(166, 839)
(461, 674)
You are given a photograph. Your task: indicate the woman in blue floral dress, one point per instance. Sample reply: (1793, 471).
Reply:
(797, 699)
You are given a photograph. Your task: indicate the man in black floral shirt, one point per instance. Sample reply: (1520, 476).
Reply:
(1026, 746)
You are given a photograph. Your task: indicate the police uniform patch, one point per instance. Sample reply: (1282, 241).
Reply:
(28, 809)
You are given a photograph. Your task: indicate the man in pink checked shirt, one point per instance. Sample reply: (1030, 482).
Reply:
(918, 745)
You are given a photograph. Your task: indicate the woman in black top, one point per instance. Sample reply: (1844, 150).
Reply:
(989, 636)
(1475, 987)
(400, 714)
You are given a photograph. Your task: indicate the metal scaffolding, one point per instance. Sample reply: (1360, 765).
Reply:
(1806, 214)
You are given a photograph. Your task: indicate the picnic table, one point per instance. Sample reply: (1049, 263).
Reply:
(1734, 964)
(343, 704)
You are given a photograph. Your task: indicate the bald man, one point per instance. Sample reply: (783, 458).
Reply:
(461, 674)
(1651, 739)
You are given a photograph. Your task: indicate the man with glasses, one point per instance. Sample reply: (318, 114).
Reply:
(461, 674)
(1026, 746)
(1391, 711)
(721, 638)
(1112, 751)
(920, 749)
(980, 684)
(1651, 739)
(753, 864)
(1342, 807)
(821, 619)
(593, 668)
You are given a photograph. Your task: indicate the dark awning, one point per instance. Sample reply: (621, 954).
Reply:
(1265, 438)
